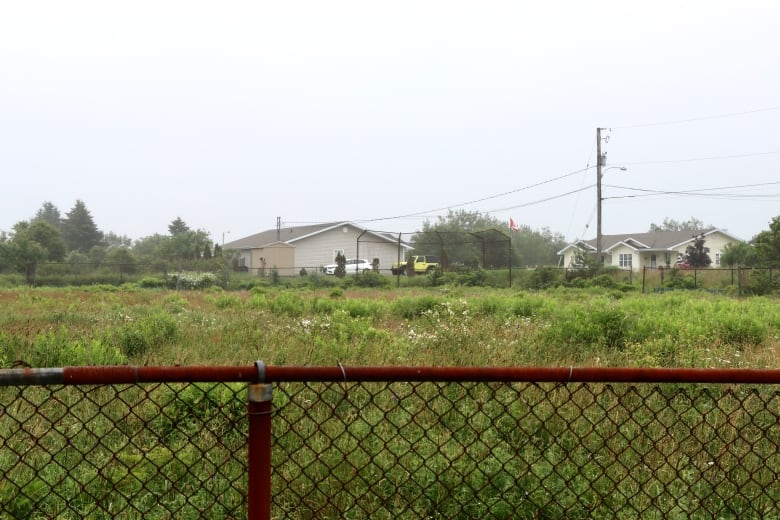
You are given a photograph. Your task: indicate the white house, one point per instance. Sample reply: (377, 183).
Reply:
(289, 249)
(636, 251)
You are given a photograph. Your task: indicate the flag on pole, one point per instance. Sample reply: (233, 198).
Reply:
(512, 225)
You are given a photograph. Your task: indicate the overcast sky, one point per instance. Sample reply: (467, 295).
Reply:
(231, 114)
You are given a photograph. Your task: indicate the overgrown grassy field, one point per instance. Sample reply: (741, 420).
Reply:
(56, 327)
(413, 451)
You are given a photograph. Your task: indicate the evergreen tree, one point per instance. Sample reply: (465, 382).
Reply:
(177, 227)
(79, 229)
(50, 214)
(341, 265)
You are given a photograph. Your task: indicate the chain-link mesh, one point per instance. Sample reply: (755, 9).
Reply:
(435, 450)
(129, 451)
(394, 450)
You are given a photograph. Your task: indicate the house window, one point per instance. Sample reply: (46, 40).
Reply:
(717, 258)
(625, 260)
(653, 261)
(336, 253)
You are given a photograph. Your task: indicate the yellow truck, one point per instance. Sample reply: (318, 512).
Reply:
(422, 264)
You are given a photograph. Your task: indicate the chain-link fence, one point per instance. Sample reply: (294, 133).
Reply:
(389, 443)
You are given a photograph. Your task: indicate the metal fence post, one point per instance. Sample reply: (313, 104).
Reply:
(259, 487)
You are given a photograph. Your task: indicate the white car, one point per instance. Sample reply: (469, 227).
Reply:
(353, 265)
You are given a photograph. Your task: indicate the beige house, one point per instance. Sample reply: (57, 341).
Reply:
(290, 249)
(654, 249)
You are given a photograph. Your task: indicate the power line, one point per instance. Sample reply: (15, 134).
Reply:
(530, 186)
(702, 192)
(546, 199)
(711, 158)
(696, 119)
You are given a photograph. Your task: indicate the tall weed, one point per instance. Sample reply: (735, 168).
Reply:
(141, 335)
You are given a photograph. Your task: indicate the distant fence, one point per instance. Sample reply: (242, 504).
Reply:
(736, 281)
(388, 442)
(162, 274)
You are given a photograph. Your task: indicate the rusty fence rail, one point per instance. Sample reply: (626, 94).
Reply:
(388, 442)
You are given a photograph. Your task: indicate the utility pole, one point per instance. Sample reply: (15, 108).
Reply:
(279, 228)
(598, 196)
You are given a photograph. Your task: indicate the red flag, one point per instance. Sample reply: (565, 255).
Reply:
(512, 225)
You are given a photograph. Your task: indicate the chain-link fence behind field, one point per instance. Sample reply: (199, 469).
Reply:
(178, 275)
(389, 443)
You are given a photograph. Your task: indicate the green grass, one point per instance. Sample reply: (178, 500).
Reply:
(401, 450)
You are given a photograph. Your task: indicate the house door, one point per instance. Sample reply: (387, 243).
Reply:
(653, 262)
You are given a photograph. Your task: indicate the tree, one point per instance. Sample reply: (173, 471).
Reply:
(341, 265)
(50, 214)
(6, 259)
(122, 257)
(537, 247)
(177, 227)
(79, 229)
(150, 247)
(693, 224)
(41, 239)
(696, 255)
(768, 244)
(34, 242)
(111, 239)
(459, 235)
(740, 254)
(186, 245)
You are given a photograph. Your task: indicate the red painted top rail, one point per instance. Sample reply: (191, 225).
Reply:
(260, 373)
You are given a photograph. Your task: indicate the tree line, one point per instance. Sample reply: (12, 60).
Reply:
(462, 238)
(75, 239)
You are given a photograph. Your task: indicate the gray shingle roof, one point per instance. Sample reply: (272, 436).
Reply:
(290, 235)
(650, 241)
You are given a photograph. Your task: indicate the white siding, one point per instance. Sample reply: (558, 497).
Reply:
(317, 250)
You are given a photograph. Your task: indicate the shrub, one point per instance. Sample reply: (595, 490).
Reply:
(741, 330)
(607, 326)
(322, 281)
(175, 304)
(408, 308)
(226, 301)
(192, 280)
(372, 279)
(138, 337)
(324, 305)
(57, 349)
(543, 278)
(362, 308)
(151, 282)
(680, 281)
(287, 303)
